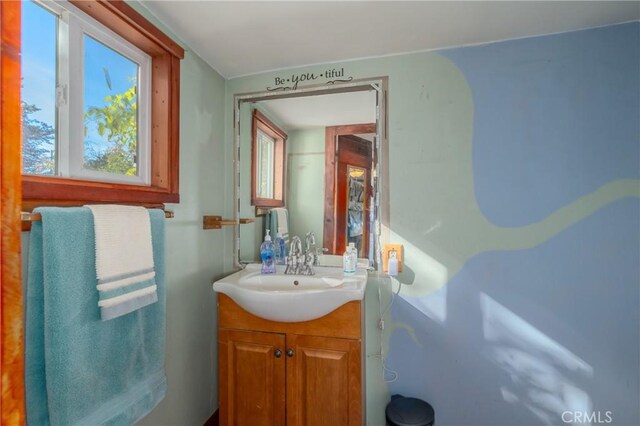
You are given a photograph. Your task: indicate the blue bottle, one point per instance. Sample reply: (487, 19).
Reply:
(267, 253)
(281, 250)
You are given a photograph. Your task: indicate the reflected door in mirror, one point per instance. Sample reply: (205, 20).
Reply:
(352, 193)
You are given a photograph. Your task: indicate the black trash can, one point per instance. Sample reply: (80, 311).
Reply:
(403, 411)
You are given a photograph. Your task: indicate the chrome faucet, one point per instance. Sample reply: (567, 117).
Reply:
(296, 246)
(299, 263)
(309, 259)
(314, 254)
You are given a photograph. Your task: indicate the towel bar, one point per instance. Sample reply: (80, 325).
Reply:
(217, 222)
(33, 217)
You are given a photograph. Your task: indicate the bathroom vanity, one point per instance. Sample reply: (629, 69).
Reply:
(307, 372)
(291, 345)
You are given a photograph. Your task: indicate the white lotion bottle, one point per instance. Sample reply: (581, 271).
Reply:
(354, 256)
(392, 266)
(347, 262)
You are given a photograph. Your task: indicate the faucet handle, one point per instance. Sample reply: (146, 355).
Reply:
(295, 245)
(309, 240)
(317, 254)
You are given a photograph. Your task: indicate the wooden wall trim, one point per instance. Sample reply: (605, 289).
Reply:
(11, 354)
(131, 20)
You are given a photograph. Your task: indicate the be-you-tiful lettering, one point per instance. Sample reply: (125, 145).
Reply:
(291, 83)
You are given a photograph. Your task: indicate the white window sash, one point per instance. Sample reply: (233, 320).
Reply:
(73, 24)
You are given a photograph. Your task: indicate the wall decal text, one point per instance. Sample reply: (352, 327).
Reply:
(333, 75)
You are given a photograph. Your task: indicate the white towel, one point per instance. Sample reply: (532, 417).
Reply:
(124, 259)
(283, 221)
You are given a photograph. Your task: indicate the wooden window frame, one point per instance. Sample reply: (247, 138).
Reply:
(262, 123)
(165, 55)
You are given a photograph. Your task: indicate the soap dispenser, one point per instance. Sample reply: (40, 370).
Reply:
(267, 252)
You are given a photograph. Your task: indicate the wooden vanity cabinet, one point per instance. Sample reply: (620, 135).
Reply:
(254, 383)
(273, 373)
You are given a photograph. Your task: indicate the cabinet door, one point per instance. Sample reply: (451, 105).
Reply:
(324, 382)
(252, 378)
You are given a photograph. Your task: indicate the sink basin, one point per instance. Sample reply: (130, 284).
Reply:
(292, 298)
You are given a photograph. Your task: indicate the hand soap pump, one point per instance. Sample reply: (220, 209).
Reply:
(267, 252)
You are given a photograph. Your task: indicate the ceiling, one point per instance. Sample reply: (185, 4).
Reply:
(323, 110)
(240, 37)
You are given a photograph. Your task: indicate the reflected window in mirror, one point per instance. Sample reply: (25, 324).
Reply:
(267, 163)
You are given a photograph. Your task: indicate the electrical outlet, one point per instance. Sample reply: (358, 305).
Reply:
(385, 256)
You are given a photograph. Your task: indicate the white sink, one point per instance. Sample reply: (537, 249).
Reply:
(292, 298)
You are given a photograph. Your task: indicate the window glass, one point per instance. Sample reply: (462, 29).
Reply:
(39, 41)
(110, 110)
(265, 173)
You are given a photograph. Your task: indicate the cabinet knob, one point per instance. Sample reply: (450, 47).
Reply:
(277, 353)
(290, 352)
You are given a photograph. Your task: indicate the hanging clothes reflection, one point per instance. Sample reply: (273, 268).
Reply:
(356, 196)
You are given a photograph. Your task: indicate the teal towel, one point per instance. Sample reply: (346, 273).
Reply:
(81, 370)
(272, 224)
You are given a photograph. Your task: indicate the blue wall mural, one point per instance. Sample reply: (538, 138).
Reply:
(537, 334)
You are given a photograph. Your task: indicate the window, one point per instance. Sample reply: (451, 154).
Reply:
(90, 88)
(100, 91)
(39, 51)
(115, 138)
(266, 146)
(267, 163)
(91, 91)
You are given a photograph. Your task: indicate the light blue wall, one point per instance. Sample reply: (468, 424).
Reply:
(520, 336)
(574, 95)
(195, 257)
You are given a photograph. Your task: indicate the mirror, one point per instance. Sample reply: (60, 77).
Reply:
(325, 143)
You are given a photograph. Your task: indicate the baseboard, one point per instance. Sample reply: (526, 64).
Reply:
(213, 420)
